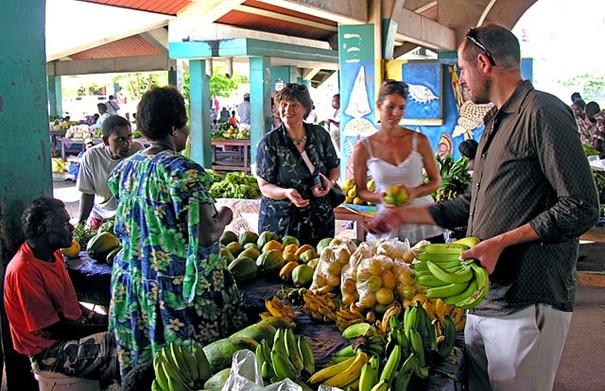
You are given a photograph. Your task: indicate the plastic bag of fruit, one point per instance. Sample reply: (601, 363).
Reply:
(348, 277)
(333, 258)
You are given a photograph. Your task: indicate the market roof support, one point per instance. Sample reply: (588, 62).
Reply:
(55, 95)
(199, 100)
(260, 101)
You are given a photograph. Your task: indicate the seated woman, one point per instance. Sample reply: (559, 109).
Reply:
(288, 160)
(397, 156)
(168, 282)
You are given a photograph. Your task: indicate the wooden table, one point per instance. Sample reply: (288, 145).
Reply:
(238, 160)
(75, 141)
(360, 220)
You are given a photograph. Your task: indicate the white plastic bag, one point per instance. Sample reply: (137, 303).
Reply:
(245, 376)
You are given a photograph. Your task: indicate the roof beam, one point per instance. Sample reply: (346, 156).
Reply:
(286, 18)
(157, 38)
(111, 65)
(425, 32)
(403, 49)
(208, 11)
(341, 11)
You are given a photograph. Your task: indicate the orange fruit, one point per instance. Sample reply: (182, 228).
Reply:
(389, 280)
(73, 250)
(367, 301)
(384, 296)
(373, 284)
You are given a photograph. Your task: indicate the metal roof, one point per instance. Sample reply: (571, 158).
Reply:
(171, 7)
(127, 47)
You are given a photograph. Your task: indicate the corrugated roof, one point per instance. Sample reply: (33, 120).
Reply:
(171, 7)
(127, 47)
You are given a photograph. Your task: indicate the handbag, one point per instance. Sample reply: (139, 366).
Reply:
(336, 195)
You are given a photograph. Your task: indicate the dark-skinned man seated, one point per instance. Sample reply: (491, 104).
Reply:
(47, 322)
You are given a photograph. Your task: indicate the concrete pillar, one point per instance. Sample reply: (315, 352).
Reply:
(260, 101)
(199, 112)
(25, 147)
(55, 96)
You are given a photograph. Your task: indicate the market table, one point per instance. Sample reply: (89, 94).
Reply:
(237, 160)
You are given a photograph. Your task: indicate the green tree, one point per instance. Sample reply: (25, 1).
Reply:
(140, 82)
(220, 84)
(590, 85)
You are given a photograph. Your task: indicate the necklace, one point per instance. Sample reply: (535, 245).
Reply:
(298, 141)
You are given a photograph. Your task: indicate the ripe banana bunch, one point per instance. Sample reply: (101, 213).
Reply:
(392, 311)
(343, 374)
(279, 309)
(288, 357)
(180, 367)
(319, 306)
(459, 283)
(347, 316)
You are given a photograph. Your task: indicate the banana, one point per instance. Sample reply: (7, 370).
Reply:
(282, 366)
(173, 379)
(403, 342)
(449, 332)
(169, 368)
(419, 297)
(160, 375)
(405, 373)
(452, 278)
(417, 346)
(430, 281)
(426, 330)
(429, 311)
(330, 371)
(369, 375)
(155, 386)
(347, 351)
(470, 289)
(293, 352)
(445, 248)
(381, 386)
(439, 307)
(176, 355)
(409, 321)
(307, 355)
(457, 314)
(267, 371)
(359, 330)
(189, 357)
(260, 357)
(391, 365)
(441, 259)
(470, 241)
(279, 339)
(482, 279)
(352, 386)
(175, 384)
(446, 290)
(350, 374)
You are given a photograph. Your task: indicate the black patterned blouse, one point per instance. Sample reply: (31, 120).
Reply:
(279, 163)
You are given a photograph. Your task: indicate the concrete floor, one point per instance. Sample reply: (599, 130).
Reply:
(582, 366)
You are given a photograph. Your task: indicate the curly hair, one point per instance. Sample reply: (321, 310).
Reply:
(159, 110)
(33, 217)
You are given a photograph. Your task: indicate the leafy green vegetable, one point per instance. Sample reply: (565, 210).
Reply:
(83, 233)
(236, 185)
(454, 177)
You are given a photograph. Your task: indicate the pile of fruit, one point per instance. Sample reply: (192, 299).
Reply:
(350, 189)
(226, 131)
(101, 245)
(236, 185)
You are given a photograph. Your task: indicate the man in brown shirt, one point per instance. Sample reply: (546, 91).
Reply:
(531, 197)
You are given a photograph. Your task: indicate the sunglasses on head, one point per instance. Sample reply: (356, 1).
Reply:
(296, 86)
(471, 35)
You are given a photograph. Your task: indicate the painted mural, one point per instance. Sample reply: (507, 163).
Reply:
(424, 106)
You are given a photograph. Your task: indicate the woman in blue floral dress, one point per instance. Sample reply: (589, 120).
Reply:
(168, 282)
(289, 159)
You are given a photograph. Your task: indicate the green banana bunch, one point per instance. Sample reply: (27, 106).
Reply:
(449, 332)
(293, 352)
(405, 373)
(369, 374)
(359, 330)
(426, 330)
(442, 292)
(409, 320)
(429, 280)
(282, 366)
(381, 386)
(461, 297)
(180, 368)
(445, 248)
(391, 365)
(307, 355)
(452, 278)
(417, 346)
(350, 374)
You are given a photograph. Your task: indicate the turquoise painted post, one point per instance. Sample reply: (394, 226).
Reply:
(306, 83)
(199, 113)
(24, 150)
(55, 95)
(260, 101)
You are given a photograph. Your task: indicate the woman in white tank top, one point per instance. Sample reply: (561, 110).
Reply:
(397, 156)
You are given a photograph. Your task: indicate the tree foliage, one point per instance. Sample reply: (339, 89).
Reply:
(140, 82)
(220, 84)
(588, 84)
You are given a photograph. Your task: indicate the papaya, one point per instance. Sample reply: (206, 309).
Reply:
(219, 352)
(100, 245)
(258, 332)
(73, 250)
(286, 240)
(251, 245)
(248, 237)
(218, 380)
(290, 257)
(303, 248)
(272, 245)
(251, 252)
(308, 255)
(235, 248)
(243, 269)
(224, 253)
(278, 323)
(313, 263)
(286, 271)
(270, 261)
(112, 255)
(228, 237)
(325, 242)
(302, 275)
(264, 238)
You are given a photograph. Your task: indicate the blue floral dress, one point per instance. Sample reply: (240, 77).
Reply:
(279, 163)
(165, 286)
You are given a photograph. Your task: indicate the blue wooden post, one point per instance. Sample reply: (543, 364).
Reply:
(55, 95)
(260, 101)
(199, 113)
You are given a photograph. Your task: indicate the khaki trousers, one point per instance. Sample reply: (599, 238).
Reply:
(520, 351)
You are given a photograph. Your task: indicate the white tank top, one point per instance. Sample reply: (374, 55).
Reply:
(408, 173)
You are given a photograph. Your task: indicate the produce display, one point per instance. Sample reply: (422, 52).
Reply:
(454, 177)
(398, 307)
(101, 245)
(236, 185)
(350, 189)
(226, 131)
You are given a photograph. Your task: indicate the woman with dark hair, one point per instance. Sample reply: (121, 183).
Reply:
(397, 156)
(296, 168)
(168, 282)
